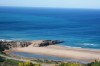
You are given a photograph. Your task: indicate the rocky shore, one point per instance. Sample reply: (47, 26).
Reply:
(8, 44)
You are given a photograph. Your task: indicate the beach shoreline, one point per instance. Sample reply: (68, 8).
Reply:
(61, 51)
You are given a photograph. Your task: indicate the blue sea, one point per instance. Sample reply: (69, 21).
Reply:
(77, 27)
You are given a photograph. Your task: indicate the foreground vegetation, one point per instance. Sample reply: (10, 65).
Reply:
(28, 64)
(9, 62)
(96, 63)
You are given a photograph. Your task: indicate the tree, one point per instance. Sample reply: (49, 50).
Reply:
(96, 63)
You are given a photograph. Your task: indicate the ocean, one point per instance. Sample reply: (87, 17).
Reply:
(77, 27)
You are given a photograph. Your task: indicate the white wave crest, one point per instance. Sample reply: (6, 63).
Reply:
(89, 44)
(72, 47)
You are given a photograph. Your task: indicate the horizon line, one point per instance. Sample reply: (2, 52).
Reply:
(49, 7)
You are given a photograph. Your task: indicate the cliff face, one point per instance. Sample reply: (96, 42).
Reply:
(5, 44)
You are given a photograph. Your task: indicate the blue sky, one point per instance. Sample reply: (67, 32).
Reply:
(52, 3)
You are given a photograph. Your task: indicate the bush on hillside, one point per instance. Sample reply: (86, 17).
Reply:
(70, 64)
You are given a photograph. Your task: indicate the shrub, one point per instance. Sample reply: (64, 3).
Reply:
(96, 63)
(28, 64)
(70, 64)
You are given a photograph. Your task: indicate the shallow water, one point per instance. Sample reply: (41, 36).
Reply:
(45, 57)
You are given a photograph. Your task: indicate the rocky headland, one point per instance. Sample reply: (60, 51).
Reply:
(9, 44)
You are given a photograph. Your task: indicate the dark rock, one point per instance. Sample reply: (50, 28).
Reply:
(5, 44)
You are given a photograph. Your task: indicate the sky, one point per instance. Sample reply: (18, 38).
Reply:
(52, 3)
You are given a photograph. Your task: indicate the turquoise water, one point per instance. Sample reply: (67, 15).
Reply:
(77, 27)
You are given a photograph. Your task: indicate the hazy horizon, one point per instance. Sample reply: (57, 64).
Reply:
(89, 4)
(50, 7)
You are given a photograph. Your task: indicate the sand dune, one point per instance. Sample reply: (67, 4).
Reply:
(61, 51)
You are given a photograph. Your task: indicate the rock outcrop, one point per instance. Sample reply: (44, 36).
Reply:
(13, 44)
(6, 44)
(40, 43)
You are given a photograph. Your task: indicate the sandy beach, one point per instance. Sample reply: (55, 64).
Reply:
(61, 51)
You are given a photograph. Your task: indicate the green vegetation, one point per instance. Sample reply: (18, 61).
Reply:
(12, 62)
(96, 63)
(2, 59)
(8, 62)
(70, 64)
(28, 64)
(46, 61)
